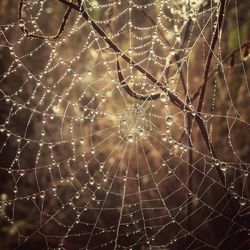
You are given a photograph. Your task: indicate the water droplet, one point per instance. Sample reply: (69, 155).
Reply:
(130, 138)
(105, 178)
(164, 137)
(77, 220)
(246, 173)
(101, 165)
(22, 172)
(54, 188)
(223, 166)
(141, 132)
(91, 181)
(21, 23)
(243, 201)
(164, 97)
(169, 120)
(92, 150)
(42, 194)
(217, 163)
(77, 196)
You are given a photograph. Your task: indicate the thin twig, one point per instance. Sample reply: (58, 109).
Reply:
(189, 176)
(226, 59)
(210, 54)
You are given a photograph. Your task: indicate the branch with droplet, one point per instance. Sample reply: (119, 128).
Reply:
(211, 53)
(230, 57)
(132, 93)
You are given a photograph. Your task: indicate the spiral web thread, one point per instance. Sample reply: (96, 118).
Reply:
(86, 166)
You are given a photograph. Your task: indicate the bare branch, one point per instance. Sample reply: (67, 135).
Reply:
(210, 54)
(245, 45)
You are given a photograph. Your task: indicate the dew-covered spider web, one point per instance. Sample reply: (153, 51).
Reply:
(107, 141)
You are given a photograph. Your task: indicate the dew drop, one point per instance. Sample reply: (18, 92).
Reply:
(223, 166)
(164, 137)
(54, 188)
(169, 120)
(235, 195)
(21, 23)
(130, 138)
(77, 196)
(101, 165)
(91, 181)
(242, 201)
(92, 150)
(42, 194)
(22, 172)
(163, 97)
(141, 132)
(217, 163)
(105, 178)
(246, 173)
(77, 220)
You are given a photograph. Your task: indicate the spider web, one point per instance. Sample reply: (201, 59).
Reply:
(94, 154)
